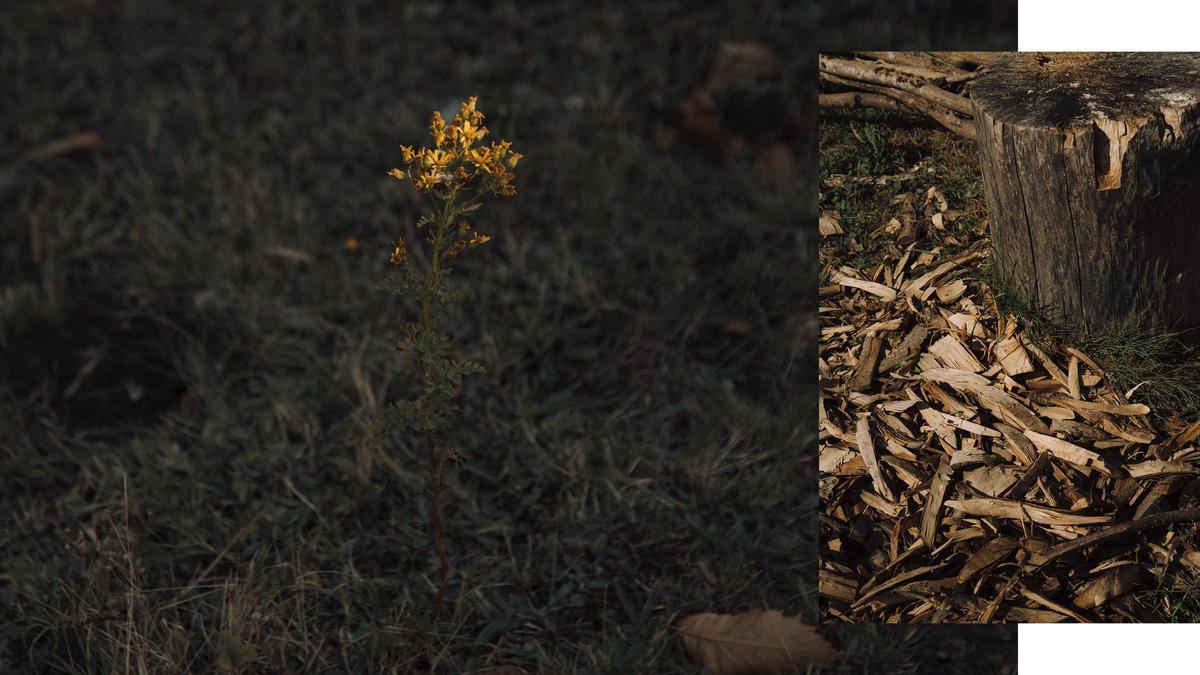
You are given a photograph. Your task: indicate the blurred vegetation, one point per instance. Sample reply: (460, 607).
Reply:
(968, 25)
(193, 343)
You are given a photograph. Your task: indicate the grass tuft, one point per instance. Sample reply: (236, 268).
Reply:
(1160, 363)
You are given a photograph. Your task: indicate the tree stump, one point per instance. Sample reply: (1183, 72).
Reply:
(1091, 171)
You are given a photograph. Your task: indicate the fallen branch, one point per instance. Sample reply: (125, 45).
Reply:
(942, 116)
(854, 99)
(923, 65)
(913, 81)
(888, 75)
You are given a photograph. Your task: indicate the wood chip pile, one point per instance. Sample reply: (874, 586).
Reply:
(970, 475)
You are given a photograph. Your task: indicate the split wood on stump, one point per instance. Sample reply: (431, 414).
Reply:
(1091, 170)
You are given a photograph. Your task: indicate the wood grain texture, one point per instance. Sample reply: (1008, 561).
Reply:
(1091, 167)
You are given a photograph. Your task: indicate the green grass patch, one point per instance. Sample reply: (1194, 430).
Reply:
(193, 343)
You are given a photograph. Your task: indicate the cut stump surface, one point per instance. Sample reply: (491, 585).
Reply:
(1091, 168)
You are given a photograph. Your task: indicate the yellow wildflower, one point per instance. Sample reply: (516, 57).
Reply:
(426, 180)
(482, 159)
(436, 159)
(398, 253)
(468, 111)
(397, 174)
(410, 155)
(478, 240)
(438, 127)
(466, 133)
(512, 159)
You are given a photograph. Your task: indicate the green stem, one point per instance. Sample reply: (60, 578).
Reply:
(435, 461)
(436, 264)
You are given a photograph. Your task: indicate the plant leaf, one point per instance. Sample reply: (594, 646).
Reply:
(758, 641)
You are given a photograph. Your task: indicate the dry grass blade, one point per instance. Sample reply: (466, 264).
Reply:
(88, 140)
(753, 642)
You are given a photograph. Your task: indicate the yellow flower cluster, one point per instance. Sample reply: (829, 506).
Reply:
(399, 252)
(455, 160)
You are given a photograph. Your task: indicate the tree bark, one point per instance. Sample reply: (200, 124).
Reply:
(1091, 168)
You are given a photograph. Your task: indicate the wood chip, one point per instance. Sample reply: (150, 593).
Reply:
(908, 349)
(1068, 452)
(1112, 583)
(1155, 468)
(948, 293)
(871, 287)
(1114, 532)
(1013, 357)
(931, 515)
(954, 354)
(868, 364)
(989, 554)
(967, 323)
(995, 400)
(1007, 508)
(992, 481)
(1128, 409)
(866, 448)
(830, 223)
(1057, 607)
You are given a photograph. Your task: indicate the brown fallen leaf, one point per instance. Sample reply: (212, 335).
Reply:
(758, 641)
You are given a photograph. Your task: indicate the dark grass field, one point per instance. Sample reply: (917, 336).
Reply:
(192, 348)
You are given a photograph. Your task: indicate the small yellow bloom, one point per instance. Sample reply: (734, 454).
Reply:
(409, 154)
(427, 180)
(482, 159)
(436, 159)
(467, 133)
(438, 127)
(397, 174)
(468, 111)
(478, 240)
(398, 253)
(512, 159)
(464, 226)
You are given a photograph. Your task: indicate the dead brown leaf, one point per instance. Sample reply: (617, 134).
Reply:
(753, 642)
